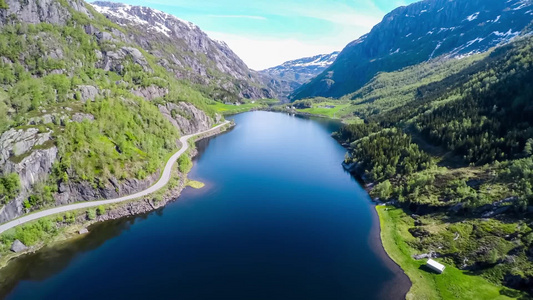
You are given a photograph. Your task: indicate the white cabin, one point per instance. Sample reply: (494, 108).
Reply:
(435, 266)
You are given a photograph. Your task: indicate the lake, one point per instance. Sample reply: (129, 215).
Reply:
(279, 218)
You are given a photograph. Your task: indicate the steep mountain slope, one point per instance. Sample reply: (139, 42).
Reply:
(85, 111)
(185, 50)
(450, 144)
(418, 32)
(290, 75)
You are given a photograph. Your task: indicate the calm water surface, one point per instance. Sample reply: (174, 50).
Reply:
(279, 219)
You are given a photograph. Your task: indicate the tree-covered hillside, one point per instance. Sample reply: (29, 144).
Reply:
(450, 142)
(85, 111)
(419, 32)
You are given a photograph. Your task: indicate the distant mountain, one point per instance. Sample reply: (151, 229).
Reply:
(188, 52)
(290, 75)
(419, 32)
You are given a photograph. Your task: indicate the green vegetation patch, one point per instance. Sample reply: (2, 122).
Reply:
(452, 284)
(195, 184)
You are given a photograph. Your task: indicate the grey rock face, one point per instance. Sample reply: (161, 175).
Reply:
(151, 92)
(186, 117)
(188, 52)
(419, 32)
(18, 246)
(80, 117)
(49, 118)
(88, 92)
(114, 60)
(46, 11)
(34, 167)
(17, 142)
(84, 191)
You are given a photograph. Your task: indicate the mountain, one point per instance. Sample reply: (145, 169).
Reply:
(419, 32)
(290, 75)
(450, 144)
(92, 105)
(185, 50)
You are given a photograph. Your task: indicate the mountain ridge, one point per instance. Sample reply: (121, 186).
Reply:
(188, 52)
(418, 32)
(290, 75)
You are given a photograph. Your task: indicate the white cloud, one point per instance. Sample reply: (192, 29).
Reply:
(344, 16)
(261, 53)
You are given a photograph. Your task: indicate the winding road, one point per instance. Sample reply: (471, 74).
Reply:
(165, 177)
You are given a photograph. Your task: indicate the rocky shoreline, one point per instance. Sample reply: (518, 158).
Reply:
(117, 211)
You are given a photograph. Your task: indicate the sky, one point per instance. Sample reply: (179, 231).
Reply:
(266, 33)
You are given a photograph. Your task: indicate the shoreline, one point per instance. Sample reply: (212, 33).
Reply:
(130, 208)
(400, 285)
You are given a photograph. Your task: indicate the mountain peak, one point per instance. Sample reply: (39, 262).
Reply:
(187, 51)
(418, 32)
(290, 75)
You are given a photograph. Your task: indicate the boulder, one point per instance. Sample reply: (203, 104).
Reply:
(80, 117)
(83, 231)
(87, 92)
(18, 247)
(425, 255)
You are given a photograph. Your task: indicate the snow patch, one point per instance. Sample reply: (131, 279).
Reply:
(435, 50)
(472, 17)
(126, 12)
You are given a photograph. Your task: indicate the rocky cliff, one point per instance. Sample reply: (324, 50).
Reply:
(419, 32)
(185, 50)
(34, 12)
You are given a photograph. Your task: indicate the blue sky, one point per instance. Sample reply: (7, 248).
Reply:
(267, 33)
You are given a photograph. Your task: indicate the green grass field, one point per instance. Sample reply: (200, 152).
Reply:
(452, 284)
(320, 109)
(340, 110)
(233, 109)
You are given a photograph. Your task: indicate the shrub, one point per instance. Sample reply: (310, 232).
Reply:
(100, 210)
(91, 214)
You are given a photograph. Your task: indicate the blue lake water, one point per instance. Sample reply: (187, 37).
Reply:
(279, 218)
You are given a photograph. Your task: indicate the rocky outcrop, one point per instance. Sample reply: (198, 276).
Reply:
(114, 60)
(17, 142)
(34, 167)
(17, 155)
(186, 117)
(84, 191)
(80, 117)
(56, 118)
(151, 92)
(87, 93)
(43, 11)
(18, 247)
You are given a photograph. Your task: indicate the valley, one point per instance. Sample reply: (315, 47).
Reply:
(421, 128)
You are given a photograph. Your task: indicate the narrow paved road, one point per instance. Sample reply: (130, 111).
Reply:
(165, 177)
